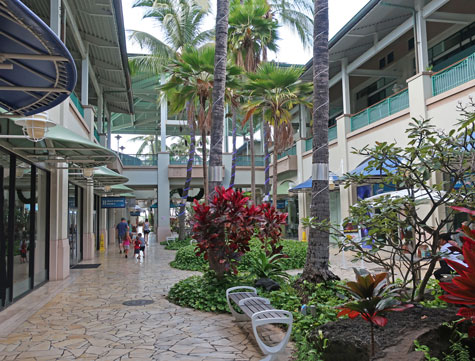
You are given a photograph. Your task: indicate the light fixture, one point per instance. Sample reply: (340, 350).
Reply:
(35, 126)
(107, 189)
(19, 172)
(88, 172)
(331, 184)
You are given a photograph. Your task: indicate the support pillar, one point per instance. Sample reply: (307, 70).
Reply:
(343, 124)
(421, 36)
(59, 246)
(163, 120)
(302, 202)
(345, 86)
(163, 197)
(88, 231)
(85, 80)
(55, 16)
(109, 128)
(103, 231)
(420, 89)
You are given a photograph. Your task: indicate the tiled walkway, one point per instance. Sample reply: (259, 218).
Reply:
(87, 320)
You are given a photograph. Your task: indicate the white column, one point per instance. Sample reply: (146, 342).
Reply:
(421, 34)
(303, 212)
(163, 119)
(345, 86)
(100, 117)
(226, 131)
(343, 124)
(163, 195)
(55, 16)
(88, 214)
(85, 81)
(109, 127)
(59, 246)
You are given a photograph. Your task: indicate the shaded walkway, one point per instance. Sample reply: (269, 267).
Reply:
(87, 320)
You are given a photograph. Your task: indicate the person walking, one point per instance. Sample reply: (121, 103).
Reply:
(122, 231)
(137, 247)
(142, 243)
(127, 241)
(146, 229)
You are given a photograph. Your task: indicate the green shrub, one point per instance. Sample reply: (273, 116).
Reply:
(186, 258)
(176, 245)
(205, 292)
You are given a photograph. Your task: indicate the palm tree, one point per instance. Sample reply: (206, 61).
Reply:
(149, 143)
(274, 92)
(180, 21)
(250, 32)
(316, 266)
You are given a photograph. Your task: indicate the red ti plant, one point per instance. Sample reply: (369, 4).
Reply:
(372, 298)
(270, 229)
(461, 289)
(224, 228)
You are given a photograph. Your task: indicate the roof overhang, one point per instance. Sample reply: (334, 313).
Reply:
(37, 72)
(60, 146)
(102, 176)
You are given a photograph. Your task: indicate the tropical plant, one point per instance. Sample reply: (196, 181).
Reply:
(270, 230)
(181, 22)
(274, 91)
(263, 266)
(461, 289)
(250, 32)
(372, 298)
(218, 96)
(150, 144)
(224, 228)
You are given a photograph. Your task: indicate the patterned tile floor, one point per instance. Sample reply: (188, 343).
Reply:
(86, 319)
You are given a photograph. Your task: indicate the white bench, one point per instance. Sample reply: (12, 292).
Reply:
(171, 239)
(260, 312)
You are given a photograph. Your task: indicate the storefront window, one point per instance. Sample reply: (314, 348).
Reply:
(4, 181)
(41, 219)
(74, 223)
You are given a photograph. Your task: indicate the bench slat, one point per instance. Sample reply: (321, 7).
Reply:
(252, 306)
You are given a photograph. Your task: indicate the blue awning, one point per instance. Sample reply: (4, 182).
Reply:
(361, 169)
(38, 72)
(307, 185)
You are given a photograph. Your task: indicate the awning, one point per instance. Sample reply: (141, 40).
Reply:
(38, 71)
(63, 146)
(127, 195)
(420, 196)
(120, 188)
(362, 169)
(307, 185)
(102, 176)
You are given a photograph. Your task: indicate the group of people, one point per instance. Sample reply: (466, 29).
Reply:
(127, 238)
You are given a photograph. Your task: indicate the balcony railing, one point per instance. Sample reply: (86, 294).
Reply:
(332, 133)
(77, 103)
(391, 105)
(183, 160)
(96, 135)
(245, 160)
(308, 144)
(138, 159)
(290, 151)
(453, 76)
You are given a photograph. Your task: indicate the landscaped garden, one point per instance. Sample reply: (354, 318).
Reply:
(398, 313)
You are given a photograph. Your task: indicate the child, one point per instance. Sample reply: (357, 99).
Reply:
(137, 247)
(142, 243)
(23, 251)
(126, 244)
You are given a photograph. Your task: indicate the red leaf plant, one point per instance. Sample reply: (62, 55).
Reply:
(270, 230)
(224, 228)
(372, 299)
(461, 289)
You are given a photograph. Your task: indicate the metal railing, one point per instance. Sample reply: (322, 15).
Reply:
(149, 160)
(332, 133)
(391, 105)
(77, 104)
(290, 151)
(183, 160)
(453, 76)
(245, 160)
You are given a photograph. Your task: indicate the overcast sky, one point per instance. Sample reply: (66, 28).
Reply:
(290, 49)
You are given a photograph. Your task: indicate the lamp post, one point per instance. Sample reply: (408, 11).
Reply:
(118, 137)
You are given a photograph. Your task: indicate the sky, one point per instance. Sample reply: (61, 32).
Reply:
(290, 49)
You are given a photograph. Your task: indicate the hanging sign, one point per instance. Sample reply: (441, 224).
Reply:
(113, 202)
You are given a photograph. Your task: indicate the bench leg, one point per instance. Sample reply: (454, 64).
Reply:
(237, 316)
(272, 351)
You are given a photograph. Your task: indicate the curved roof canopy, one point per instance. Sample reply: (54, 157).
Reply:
(37, 71)
(102, 176)
(61, 145)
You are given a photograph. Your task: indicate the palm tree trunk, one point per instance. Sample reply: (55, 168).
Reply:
(266, 159)
(189, 169)
(253, 161)
(233, 162)
(274, 173)
(216, 147)
(316, 266)
(205, 165)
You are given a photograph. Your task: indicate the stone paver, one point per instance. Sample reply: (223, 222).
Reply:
(87, 320)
